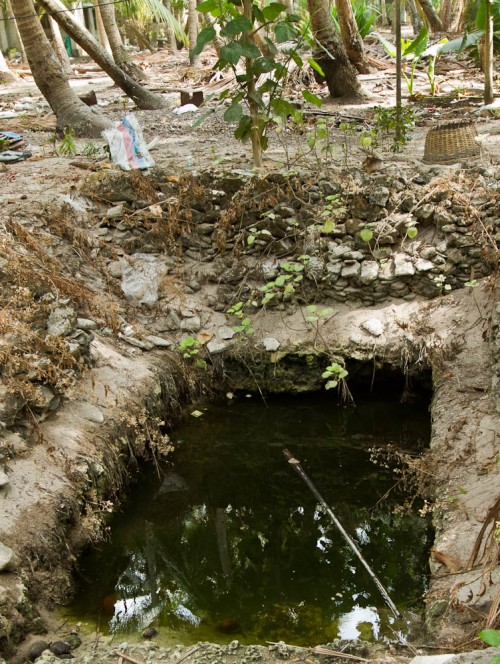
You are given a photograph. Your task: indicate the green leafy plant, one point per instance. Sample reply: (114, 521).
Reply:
(334, 373)
(245, 325)
(492, 638)
(315, 313)
(91, 150)
(332, 209)
(67, 146)
(253, 104)
(190, 349)
(397, 122)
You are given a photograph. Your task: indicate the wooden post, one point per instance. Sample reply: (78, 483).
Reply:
(488, 54)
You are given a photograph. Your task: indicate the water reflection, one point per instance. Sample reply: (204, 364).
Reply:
(231, 543)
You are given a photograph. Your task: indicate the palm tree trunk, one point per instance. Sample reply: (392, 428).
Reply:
(192, 30)
(383, 12)
(450, 13)
(432, 18)
(140, 95)
(416, 21)
(340, 74)
(488, 54)
(172, 42)
(58, 46)
(103, 37)
(50, 78)
(120, 55)
(352, 40)
(10, 14)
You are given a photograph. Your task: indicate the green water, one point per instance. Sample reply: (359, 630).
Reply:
(230, 543)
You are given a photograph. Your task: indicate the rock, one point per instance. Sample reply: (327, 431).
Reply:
(173, 483)
(133, 341)
(369, 272)
(373, 326)
(159, 342)
(86, 324)
(315, 268)
(59, 648)
(217, 346)
(10, 406)
(432, 659)
(141, 278)
(269, 269)
(271, 344)
(403, 265)
(338, 251)
(428, 253)
(115, 268)
(191, 324)
(351, 270)
(88, 412)
(36, 649)
(6, 557)
(225, 332)
(149, 632)
(74, 640)
(424, 266)
(61, 322)
(171, 322)
(379, 196)
(115, 212)
(4, 479)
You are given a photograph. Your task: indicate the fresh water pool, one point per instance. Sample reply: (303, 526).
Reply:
(230, 543)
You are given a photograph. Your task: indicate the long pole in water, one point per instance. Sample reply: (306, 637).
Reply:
(295, 463)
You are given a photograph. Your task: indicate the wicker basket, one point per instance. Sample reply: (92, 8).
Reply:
(451, 142)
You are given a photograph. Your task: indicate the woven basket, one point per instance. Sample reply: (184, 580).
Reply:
(451, 142)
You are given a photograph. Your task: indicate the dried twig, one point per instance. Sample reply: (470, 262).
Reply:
(124, 656)
(321, 650)
(188, 654)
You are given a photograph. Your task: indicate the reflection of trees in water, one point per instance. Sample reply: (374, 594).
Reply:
(285, 570)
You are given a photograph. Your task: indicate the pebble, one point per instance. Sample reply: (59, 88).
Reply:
(149, 632)
(271, 344)
(86, 324)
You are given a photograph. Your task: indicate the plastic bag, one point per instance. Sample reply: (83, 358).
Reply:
(127, 146)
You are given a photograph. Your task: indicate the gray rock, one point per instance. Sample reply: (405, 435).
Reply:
(191, 324)
(369, 272)
(36, 649)
(225, 332)
(160, 342)
(6, 557)
(351, 270)
(115, 212)
(379, 196)
(428, 253)
(271, 344)
(61, 322)
(422, 265)
(315, 267)
(373, 326)
(10, 406)
(425, 212)
(338, 251)
(86, 324)
(115, 268)
(335, 267)
(133, 341)
(168, 323)
(4, 478)
(141, 278)
(403, 265)
(270, 268)
(217, 346)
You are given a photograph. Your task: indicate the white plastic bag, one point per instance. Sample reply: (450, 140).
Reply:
(127, 146)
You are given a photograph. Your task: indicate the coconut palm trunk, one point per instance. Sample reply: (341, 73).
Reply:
(58, 46)
(120, 55)
(450, 13)
(103, 37)
(192, 30)
(172, 41)
(49, 76)
(352, 40)
(140, 95)
(340, 75)
(10, 15)
(415, 18)
(433, 19)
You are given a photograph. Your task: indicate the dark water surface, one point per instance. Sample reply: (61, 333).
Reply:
(231, 543)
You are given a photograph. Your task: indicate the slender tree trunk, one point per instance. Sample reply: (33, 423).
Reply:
(415, 18)
(340, 74)
(450, 13)
(290, 9)
(352, 40)
(432, 18)
(58, 46)
(255, 130)
(50, 78)
(120, 55)
(192, 30)
(172, 41)
(6, 76)
(383, 12)
(139, 94)
(103, 37)
(488, 54)
(10, 14)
